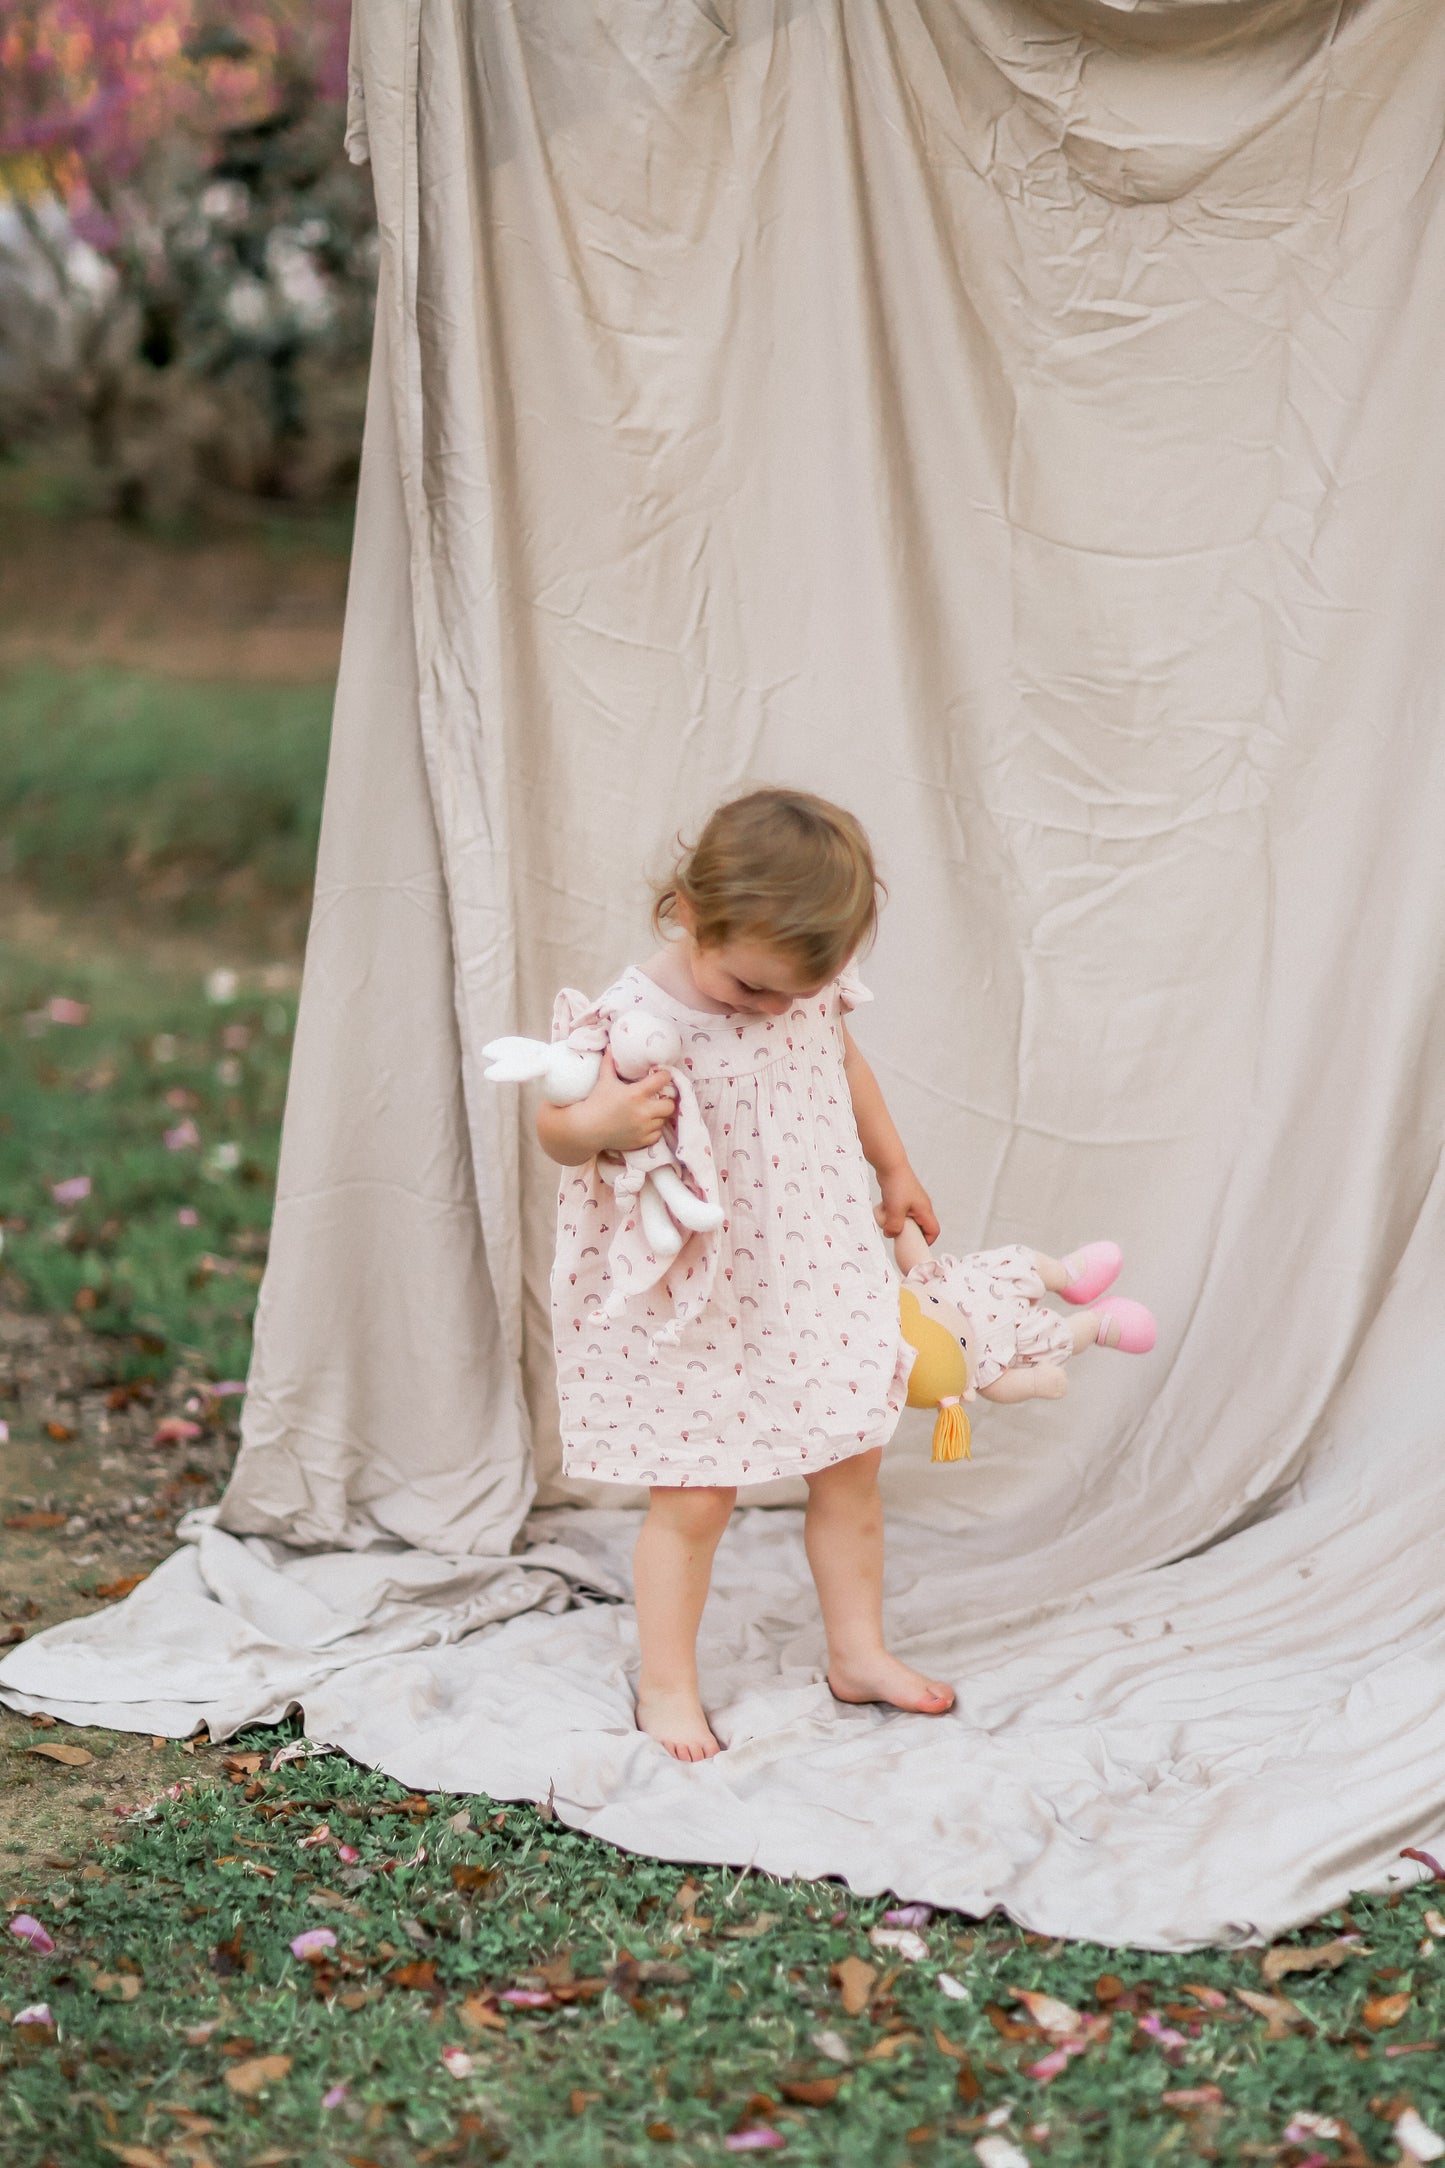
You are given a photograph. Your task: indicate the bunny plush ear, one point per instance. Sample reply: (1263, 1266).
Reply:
(516, 1061)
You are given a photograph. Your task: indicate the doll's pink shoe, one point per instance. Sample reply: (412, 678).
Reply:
(1125, 1325)
(1091, 1270)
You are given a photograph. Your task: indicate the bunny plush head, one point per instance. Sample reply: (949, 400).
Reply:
(640, 1042)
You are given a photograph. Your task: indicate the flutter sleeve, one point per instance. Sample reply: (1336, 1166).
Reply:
(852, 993)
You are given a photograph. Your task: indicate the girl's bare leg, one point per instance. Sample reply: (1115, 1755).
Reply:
(843, 1532)
(672, 1569)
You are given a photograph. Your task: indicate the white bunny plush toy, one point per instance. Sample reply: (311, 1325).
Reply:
(667, 1208)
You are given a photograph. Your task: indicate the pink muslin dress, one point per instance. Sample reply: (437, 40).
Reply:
(771, 1347)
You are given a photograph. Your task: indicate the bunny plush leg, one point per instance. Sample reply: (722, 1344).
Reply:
(694, 1213)
(664, 1237)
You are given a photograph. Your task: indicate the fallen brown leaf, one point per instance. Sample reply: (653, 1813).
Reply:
(252, 2077)
(750, 1929)
(1323, 1957)
(60, 1432)
(421, 1975)
(1059, 2020)
(968, 2084)
(1382, 2011)
(119, 1986)
(242, 1765)
(73, 1757)
(579, 2102)
(479, 2015)
(37, 1520)
(660, 2133)
(135, 2156)
(108, 1591)
(955, 2048)
(1278, 2012)
(472, 1879)
(1007, 2026)
(854, 1978)
(195, 2126)
(890, 2044)
(810, 2092)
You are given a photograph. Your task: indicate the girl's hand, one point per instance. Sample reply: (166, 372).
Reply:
(625, 1117)
(905, 1198)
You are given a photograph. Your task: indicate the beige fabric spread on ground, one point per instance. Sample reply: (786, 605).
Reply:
(1024, 423)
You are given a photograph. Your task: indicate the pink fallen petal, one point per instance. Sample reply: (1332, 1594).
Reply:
(35, 2013)
(762, 2139)
(1055, 2063)
(527, 1998)
(839, 1919)
(175, 1430)
(334, 2098)
(908, 1916)
(458, 2062)
(62, 1010)
(183, 1138)
(1426, 1859)
(4, 1431)
(1173, 2043)
(321, 1834)
(228, 1388)
(188, 1216)
(313, 1942)
(348, 1853)
(73, 1190)
(29, 1931)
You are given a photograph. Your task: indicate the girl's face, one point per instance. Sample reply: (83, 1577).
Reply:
(748, 974)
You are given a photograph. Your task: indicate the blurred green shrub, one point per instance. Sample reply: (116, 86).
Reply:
(125, 790)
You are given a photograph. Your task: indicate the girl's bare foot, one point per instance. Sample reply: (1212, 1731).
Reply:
(674, 1718)
(885, 1678)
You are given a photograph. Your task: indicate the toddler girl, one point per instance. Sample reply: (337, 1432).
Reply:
(769, 1346)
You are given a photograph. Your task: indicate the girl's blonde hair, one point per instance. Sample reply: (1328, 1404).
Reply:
(781, 867)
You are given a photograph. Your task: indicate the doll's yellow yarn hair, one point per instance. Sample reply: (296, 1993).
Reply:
(939, 1377)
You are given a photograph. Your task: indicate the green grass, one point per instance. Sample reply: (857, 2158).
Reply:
(97, 1101)
(127, 790)
(702, 1999)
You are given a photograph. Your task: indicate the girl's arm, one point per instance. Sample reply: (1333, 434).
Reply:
(614, 1117)
(904, 1197)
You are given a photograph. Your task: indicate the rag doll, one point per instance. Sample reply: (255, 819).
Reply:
(979, 1325)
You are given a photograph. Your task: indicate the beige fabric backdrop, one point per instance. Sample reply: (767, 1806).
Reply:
(1021, 422)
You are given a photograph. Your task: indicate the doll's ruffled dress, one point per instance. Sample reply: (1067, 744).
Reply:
(772, 1346)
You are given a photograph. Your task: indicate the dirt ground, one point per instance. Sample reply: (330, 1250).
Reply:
(88, 1500)
(221, 607)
